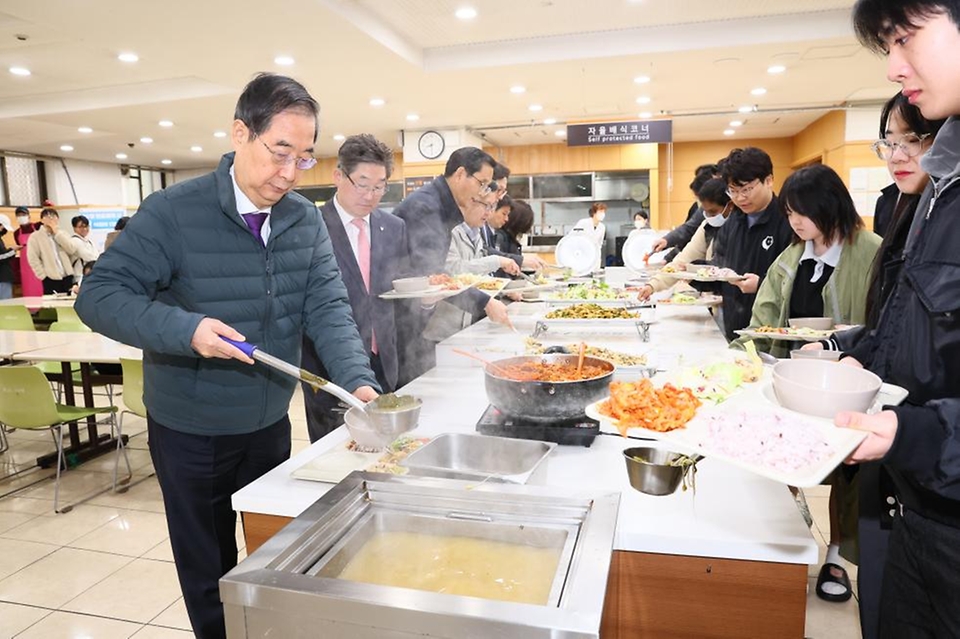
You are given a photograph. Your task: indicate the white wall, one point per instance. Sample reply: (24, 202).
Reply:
(862, 124)
(187, 174)
(94, 182)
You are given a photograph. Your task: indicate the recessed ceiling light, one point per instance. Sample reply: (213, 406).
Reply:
(550, 121)
(20, 71)
(466, 13)
(412, 117)
(518, 88)
(147, 140)
(219, 134)
(645, 115)
(758, 91)
(128, 57)
(560, 133)
(339, 137)
(196, 149)
(643, 99)
(777, 68)
(283, 60)
(166, 161)
(746, 109)
(736, 123)
(729, 131)
(165, 123)
(377, 102)
(121, 156)
(66, 147)
(642, 79)
(535, 107)
(84, 129)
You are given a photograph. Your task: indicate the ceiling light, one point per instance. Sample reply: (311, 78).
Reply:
(283, 60)
(535, 107)
(560, 133)
(518, 89)
(642, 79)
(644, 115)
(19, 71)
(196, 149)
(777, 68)
(550, 121)
(758, 91)
(412, 117)
(736, 123)
(643, 99)
(339, 137)
(166, 161)
(84, 129)
(121, 156)
(66, 147)
(147, 140)
(165, 123)
(128, 57)
(377, 102)
(729, 131)
(219, 134)
(466, 13)
(746, 109)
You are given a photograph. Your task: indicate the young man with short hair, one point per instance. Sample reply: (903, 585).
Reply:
(50, 254)
(916, 343)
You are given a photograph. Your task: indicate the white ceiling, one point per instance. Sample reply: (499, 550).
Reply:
(575, 58)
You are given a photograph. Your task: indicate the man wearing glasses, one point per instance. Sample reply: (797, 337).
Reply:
(754, 234)
(431, 213)
(370, 246)
(234, 254)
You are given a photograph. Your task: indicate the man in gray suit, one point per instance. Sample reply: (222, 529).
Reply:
(369, 245)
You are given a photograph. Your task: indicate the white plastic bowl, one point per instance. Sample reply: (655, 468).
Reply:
(411, 284)
(816, 323)
(823, 388)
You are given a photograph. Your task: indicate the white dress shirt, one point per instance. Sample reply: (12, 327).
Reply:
(831, 257)
(353, 233)
(244, 205)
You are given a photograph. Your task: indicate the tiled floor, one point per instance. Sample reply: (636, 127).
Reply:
(105, 569)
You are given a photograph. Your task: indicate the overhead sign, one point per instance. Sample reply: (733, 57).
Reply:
(637, 132)
(411, 184)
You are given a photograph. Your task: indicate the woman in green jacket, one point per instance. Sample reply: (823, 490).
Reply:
(825, 273)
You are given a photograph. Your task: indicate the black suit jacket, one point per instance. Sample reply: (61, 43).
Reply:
(388, 246)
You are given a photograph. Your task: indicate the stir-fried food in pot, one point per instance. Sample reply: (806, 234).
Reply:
(642, 405)
(534, 347)
(591, 311)
(535, 371)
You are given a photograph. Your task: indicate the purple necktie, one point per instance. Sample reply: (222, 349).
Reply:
(255, 223)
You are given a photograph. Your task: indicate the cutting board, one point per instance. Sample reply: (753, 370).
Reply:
(335, 464)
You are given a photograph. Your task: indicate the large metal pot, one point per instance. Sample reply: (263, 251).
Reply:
(545, 401)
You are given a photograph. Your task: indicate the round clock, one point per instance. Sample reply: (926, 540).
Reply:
(431, 145)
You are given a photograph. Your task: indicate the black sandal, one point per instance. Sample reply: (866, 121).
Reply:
(832, 573)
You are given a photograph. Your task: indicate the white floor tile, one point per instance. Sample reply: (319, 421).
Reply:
(132, 533)
(59, 577)
(67, 625)
(15, 618)
(826, 620)
(174, 616)
(61, 529)
(137, 592)
(160, 552)
(156, 632)
(16, 554)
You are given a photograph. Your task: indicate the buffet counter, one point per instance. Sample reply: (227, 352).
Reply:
(726, 560)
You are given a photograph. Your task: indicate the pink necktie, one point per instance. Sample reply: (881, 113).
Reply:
(363, 260)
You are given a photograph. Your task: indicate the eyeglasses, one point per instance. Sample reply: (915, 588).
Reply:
(744, 191)
(910, 144)
(366, 189)
(486, 188)
(284, 159)
(488, 207)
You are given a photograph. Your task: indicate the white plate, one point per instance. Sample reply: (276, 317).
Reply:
(687, 276)
(637, 246)
(594, 322)
(434, 291)
(501, 283)
(702, 300)
(552, 300)
(819, 335)
(694, 438)
(578, 253)
(889, 395)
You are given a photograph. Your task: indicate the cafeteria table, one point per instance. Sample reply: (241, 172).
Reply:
(86, 349)
(47, 301)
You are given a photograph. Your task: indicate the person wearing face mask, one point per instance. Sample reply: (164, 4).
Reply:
(594, 228)
(641, 220)
(7, 254)
(716, 207)
(30, 284)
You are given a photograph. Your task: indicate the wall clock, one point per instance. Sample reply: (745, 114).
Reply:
(431, 145)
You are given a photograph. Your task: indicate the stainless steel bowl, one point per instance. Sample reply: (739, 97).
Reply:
(393, 423)
(649, 471)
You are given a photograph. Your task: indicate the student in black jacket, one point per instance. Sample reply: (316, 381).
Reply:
(754, 235)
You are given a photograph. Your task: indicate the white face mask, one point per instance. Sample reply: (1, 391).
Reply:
(600, 216)
(639, 224)
(23, 220)
(715, 221)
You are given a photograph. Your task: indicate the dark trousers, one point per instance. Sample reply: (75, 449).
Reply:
(325, 412)
(921, 581)
(197, 475)
(874, 535)
(57, 286)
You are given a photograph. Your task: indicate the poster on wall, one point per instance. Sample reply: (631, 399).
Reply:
(102, 222)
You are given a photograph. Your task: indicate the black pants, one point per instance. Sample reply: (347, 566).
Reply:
(57, 286)
(197, 475)
(874, 534)
(921, 581)
(325, 412)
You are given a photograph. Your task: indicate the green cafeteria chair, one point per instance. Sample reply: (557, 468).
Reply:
(68, 314)
(26, 402)
(133, 402)
(15, 318)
